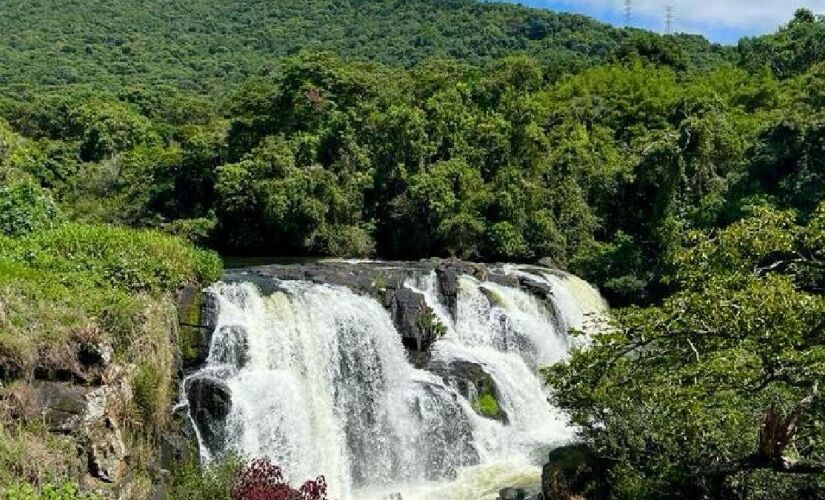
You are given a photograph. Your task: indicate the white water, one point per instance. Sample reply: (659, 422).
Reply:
(320, 383)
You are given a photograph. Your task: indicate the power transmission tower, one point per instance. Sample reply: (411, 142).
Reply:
(628, 11)
(669, 19)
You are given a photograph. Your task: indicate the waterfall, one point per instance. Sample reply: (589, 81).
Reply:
(319, 382)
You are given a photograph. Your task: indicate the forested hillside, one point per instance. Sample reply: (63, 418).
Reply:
(210, 45)
(684, 179)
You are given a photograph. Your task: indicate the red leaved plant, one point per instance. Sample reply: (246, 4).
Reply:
(260, 479)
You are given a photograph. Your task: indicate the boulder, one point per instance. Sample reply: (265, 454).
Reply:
(573, 472)
(210, 401)
(105, 450)
(416, 322)
(471, 381)
(535, 287)
(231, 346)
(62, 405)
(512, 494)
(95, 354)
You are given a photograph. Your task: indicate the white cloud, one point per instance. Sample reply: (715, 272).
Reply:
(701, 15)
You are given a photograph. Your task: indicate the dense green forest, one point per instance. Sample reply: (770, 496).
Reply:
(684, 179)
(209, 46)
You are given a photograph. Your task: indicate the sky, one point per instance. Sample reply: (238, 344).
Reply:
(723, 21)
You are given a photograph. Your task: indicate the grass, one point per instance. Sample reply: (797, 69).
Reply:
(31, 455)
(105, 256)
(64, 287)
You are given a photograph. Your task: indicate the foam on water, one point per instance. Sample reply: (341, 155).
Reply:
(320, 383)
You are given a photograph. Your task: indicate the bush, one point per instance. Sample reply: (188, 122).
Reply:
(190, 481)
(65, 491)
(262, 480)
(24, 208)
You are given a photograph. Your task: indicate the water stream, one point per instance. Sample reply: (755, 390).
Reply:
(321, 384)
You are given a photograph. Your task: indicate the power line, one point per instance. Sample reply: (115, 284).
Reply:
(669, 19)
(628, 11)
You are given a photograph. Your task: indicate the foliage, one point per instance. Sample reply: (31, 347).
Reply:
(64, 491)
(216, 43)
(31, 459)
(191, 481)
(487, 405)
(682, 178)
(429, 325)
(131, 260)
(485, 402)
(262, 480)
(792, 50)
(675, 392)
(24, 208)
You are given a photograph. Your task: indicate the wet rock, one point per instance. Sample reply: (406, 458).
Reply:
(471, 381)
(209, 311)
(232, 348)
(448, 287)
(177, 442)
(406, 308)
(512, 494)
(446, 427)
(418, 325)
(573, 472)
(449, 272)
(210, 402)
(197, 317)
(535, 287)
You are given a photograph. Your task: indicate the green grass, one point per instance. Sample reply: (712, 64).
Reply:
(80, 283)
(105, 256)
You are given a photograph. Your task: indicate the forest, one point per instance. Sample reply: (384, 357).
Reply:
(686, 180)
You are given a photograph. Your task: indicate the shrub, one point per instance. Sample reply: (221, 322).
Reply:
(24, 208)
(191, 481)
(64, 491)
(262, 480)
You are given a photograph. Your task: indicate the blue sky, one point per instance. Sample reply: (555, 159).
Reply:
(723, 21)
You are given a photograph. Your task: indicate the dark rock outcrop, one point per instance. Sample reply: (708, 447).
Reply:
(197, 318)
(416, 323)
(573, 472)
(449, 272)
(471, 381)
(95, 354)
(88, 416)
(512, 494)
(61, 405)
(233, 347)
(210, 402)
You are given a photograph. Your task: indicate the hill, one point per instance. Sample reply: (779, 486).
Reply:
(207, 45)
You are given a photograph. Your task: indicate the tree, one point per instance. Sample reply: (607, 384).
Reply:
(675, 395)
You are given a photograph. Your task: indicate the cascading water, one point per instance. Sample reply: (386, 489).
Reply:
(320, 383)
